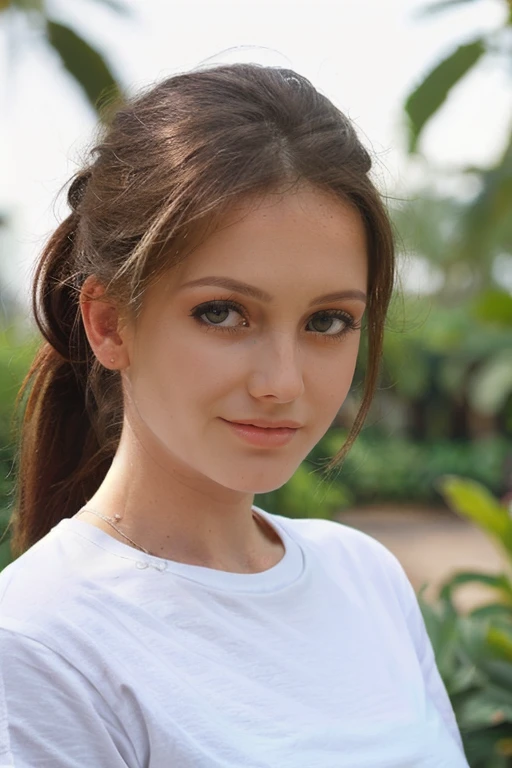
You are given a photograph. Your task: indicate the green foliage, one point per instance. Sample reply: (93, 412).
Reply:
(305, 495)
(473, 655)
(494, 306)
(382, 468)
(474, 652)
(487, 222)
(15, 358)
(491, 385)
(427, 98)
(484, 229)
(84, 64)
(447, 373)
(432, 92)
(474, 502)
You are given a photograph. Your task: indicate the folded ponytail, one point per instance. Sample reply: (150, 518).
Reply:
(62, 452)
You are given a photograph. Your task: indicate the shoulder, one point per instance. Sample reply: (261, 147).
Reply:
(45, 586)
(350, 554)
(334, 538)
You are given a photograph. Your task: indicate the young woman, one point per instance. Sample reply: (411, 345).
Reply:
(201, 308)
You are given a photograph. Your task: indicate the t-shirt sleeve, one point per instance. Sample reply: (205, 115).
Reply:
(51, 716)
(6, 759)
(424, 650)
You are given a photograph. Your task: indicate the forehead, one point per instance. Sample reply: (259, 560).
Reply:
(285, 229)
(300, 243)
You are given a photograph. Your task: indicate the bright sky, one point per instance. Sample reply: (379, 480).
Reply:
(363, 54)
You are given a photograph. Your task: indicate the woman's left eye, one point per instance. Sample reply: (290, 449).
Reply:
(338, 323)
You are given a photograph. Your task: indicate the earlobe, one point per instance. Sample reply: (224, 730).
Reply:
(101, 323)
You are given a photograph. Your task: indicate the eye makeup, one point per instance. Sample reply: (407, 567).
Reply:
(220, 306)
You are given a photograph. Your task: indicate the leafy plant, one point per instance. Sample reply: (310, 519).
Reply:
(383, 468)
(428, 97)
(80, 58)
(305, 495)
(474, 652)
(485, 224)
(15, 357)
(474, 502)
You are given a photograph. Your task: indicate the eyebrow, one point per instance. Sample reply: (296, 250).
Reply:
(261, 295)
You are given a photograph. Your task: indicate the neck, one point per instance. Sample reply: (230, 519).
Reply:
(165, 511)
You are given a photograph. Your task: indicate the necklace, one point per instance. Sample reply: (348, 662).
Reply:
(110, 521)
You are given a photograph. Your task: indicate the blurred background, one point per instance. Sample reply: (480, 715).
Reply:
(429, 87)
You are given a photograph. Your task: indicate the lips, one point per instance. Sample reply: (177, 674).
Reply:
(264, 424)
(262, 433)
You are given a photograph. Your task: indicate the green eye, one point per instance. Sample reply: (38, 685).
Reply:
(217, 313)
(326, 321)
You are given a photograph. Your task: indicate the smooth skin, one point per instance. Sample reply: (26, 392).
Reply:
(182, 479)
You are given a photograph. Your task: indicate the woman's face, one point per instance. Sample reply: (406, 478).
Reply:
(260, 322)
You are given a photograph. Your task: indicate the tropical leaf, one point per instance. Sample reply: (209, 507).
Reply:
(501, 643)
(500, 582)
(491, 611)
(498, 671)
(474, 502)
(84, 64)
(426, 99)
(480, 711)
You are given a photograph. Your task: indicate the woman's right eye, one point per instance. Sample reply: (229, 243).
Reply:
(216, 312)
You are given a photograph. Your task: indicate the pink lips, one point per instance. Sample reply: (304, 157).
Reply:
(264, 436)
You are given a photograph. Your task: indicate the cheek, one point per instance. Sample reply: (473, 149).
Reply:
(331, 377)
(184, 372)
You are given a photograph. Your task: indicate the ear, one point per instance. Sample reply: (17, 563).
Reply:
(102, 325)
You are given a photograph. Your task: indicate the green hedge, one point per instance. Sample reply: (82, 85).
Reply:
(382, 469)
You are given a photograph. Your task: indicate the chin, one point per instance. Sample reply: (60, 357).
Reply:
(261, 482)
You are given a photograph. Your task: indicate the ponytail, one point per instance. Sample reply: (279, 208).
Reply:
(63, 449)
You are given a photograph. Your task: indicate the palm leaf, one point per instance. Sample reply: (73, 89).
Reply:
(426, 99)
(84, 64)
(474, 502)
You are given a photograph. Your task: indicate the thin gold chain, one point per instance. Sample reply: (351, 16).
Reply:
(118, 517)
(109, 521)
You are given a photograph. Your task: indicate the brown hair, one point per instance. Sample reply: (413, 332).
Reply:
(176, 154)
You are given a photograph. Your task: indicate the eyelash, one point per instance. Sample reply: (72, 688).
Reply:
(223, 304)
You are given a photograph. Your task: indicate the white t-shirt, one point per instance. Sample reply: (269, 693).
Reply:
(112, 658)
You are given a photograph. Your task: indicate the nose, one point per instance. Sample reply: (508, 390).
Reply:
(276, 371)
